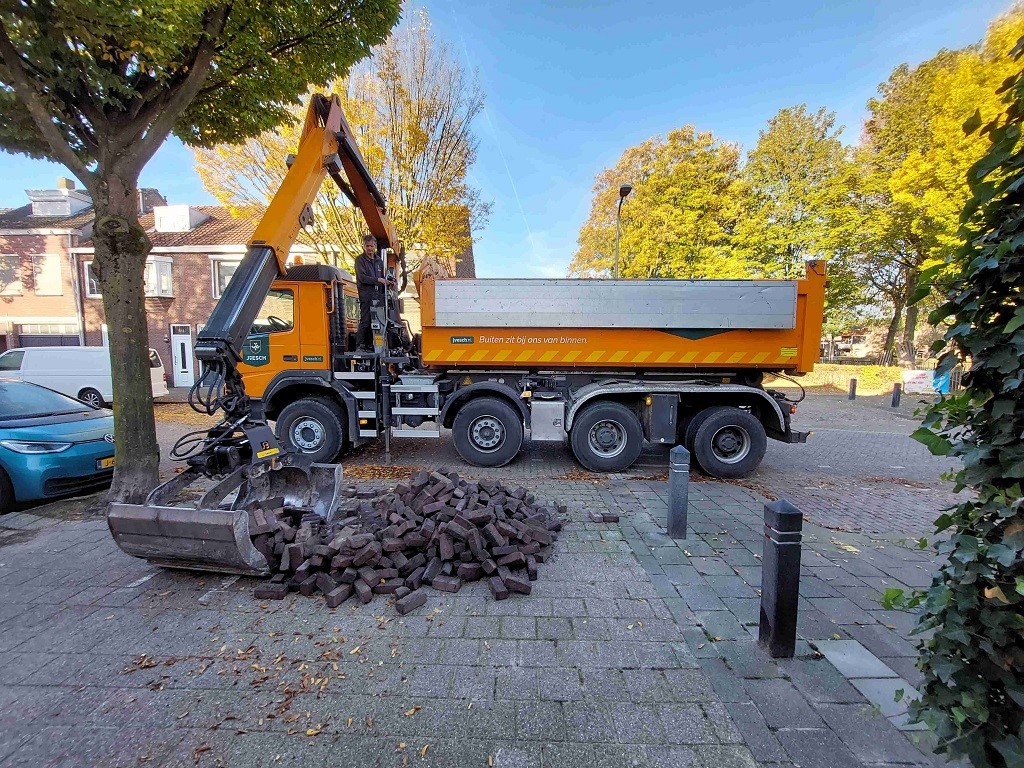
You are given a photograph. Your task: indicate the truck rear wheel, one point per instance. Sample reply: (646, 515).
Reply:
(312, 426)
(729, 443)
(606, 437)
(488, 432)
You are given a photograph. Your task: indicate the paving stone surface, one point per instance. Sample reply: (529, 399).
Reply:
(110, 661)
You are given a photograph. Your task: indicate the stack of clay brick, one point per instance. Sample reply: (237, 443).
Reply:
(436, 529)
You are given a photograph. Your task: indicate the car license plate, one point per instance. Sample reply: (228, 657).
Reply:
(105, 463)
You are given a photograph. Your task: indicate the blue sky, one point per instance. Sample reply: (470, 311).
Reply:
(571, 84)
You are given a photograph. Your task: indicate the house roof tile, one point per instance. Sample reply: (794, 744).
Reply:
(22, 218)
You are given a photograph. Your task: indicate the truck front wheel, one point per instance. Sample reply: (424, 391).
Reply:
(606, 437)
(312, 426)
(488, 432)
(729, 443)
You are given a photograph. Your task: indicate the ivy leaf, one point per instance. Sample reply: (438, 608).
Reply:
(938, 445)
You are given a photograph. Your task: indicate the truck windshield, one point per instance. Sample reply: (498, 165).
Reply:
(21, 400)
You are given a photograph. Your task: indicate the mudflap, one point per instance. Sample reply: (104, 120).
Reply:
(213, 535)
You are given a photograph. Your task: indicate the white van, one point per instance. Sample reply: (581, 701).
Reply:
(82, 372)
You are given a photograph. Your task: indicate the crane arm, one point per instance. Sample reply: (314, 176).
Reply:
(327, 147)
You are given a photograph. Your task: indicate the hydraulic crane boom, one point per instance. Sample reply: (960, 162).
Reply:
(242, 449)
(327, 147)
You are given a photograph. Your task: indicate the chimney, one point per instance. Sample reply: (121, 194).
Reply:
(65, 183)
(149, 199)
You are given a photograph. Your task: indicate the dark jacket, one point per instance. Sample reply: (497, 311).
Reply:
(368, 271)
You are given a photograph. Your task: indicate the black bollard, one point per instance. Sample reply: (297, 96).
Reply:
(780, 578)
(897, 391)
(678, 491)
(853, 389)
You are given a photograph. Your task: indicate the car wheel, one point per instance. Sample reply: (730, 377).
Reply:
(488, 432)
(6, 492)
(730, 443)
(92, 397)
(313, 427)
(606, 437)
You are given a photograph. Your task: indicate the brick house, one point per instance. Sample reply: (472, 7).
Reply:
(49, 295)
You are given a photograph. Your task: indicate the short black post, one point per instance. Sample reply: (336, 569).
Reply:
(853, 389)
(780, 578)
(678, 491)
(897, 391)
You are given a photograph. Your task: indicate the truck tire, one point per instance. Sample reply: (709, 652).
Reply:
(729, 443)
(693, 424)
(488, 432)
(312, 426)
(606, 437)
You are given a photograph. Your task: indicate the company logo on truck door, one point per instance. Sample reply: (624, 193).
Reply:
(462, 340)
(256, 350)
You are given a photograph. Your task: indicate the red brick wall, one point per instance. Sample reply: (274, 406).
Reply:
(28, 304)
(193, 302)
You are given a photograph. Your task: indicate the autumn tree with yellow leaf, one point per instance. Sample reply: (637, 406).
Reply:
(411, 106)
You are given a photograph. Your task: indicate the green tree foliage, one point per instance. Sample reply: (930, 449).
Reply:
(678, 222)
(411, 106)
(98, 86)
(973, 695)
(913, 166)
(797, 205)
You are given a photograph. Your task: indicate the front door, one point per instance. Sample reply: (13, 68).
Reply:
(181, 350)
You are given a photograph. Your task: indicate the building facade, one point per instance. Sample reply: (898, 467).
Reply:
(49, 294)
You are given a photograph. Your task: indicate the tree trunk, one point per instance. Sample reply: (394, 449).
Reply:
(910, 325)
(894, 326)
(121, 247)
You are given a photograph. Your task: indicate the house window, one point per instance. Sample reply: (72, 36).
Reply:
(222, 272)
(46, 274)
(92, 284)
(10, 274)
(157, 279)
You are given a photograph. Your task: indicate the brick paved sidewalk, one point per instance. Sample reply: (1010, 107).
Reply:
(107, 661)
(834, 704)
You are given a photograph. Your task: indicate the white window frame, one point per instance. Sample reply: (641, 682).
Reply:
(16, 287)
(215, 263)
(85, 281)
(160, 264)
(35, 273)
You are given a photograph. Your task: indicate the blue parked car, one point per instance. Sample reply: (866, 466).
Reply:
(50, 444)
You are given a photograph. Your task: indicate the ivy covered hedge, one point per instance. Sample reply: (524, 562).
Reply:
(973, 696)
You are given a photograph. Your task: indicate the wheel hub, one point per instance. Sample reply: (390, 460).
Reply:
(731, 444)
(308, 433)
(607, 438)
(487, 433)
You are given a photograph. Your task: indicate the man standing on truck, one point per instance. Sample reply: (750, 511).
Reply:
(370, 281)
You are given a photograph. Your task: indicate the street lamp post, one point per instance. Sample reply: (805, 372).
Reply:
(624, 191)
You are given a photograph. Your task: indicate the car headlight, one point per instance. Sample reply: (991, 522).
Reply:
(24, 446)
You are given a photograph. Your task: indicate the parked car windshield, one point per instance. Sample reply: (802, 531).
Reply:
(21, 400)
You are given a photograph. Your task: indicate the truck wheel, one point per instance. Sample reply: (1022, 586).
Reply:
(488, 432)
(92, 397)
(693, 424)
(312, 426)
(729, 443)
(606, 437)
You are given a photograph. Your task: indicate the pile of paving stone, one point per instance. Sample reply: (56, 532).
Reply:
(436, 529)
